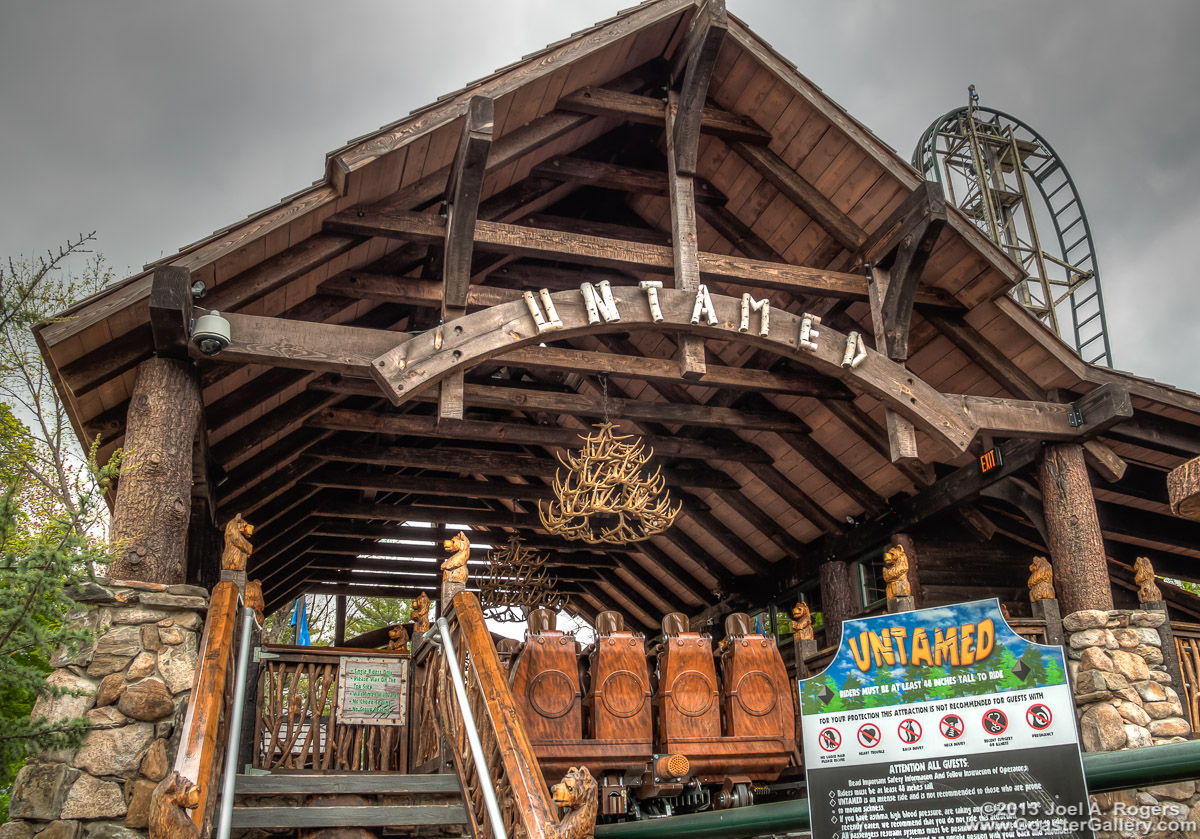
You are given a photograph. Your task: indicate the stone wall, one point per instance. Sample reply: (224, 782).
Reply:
(132, 684)
(1125, 700)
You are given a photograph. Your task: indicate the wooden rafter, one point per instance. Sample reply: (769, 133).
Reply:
(595, 250)
(691, 69)
(649, 111)
(464, 188)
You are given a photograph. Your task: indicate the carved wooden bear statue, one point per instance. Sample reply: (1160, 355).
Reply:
(1041, 580)
(895, 572)
(577, 792)
(168, 817)
(420, 614)
(237, 546)
(802, 628)
(1143, 575)
(254, 598)
(455, 567)
(398, 639)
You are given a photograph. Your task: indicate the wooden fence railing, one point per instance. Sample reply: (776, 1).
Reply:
(202, 739)
(297, 724)
(528, 811)
(1187, 646)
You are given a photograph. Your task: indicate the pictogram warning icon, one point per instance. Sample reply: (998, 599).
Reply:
(830, 739)
(910, 731)
(995, 721)
(869, 735)
(951, 726)
(1038, 716)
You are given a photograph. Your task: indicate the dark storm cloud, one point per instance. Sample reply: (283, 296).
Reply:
(157, 123)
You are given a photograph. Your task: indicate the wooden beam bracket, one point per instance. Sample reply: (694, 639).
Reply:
(171, 311)
(691, 70)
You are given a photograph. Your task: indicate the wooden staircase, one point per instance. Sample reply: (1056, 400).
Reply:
(426, 801)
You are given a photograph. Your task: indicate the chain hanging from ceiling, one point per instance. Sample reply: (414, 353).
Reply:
(607, 493)
(518, 579)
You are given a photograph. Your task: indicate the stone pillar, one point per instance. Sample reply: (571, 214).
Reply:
(132, 684)
(1125, 700)
(154, 496)
(838, 601)
(1076, 546)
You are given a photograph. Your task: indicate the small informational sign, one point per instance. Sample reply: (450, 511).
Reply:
(942, 723)
(373, 691)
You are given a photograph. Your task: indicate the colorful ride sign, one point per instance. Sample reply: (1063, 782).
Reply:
(942, 723)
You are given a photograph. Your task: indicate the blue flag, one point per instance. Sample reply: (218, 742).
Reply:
(300, 622)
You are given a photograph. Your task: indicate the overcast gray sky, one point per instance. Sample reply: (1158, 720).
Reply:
(155, 123)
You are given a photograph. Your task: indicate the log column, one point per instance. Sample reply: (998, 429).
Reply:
(1076, 546)
(838, 601)
(154, 494)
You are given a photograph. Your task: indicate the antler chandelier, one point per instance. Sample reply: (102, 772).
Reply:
(517, 580)
(607, 494)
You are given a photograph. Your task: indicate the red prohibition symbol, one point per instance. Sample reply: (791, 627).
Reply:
(1039, 717)
(995, 721)
(910, 731)
(830, 739)
(951, 726)
(869, 735)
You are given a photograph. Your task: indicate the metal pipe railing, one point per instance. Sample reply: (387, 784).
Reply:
(225, 818)
(1103, 771)
(464, 707)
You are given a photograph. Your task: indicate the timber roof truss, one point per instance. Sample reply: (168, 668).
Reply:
(388, 366)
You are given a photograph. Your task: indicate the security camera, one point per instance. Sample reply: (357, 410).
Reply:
(210, 333)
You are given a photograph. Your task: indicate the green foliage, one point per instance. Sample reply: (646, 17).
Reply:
(365, 614)
(50, 505)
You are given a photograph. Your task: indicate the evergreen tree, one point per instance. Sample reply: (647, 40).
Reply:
(41, 561)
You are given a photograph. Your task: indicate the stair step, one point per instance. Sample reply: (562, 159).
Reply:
(287, 783)
(342, 816)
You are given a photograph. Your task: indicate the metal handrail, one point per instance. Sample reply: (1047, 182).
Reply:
(464, 707)
(225, 817)
(1103, 772)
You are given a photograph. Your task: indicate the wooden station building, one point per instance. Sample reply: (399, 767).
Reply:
(395, 370)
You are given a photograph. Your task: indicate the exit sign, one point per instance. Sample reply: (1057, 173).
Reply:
(989, 460)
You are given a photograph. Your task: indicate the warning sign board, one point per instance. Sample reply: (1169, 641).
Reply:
(942, 723)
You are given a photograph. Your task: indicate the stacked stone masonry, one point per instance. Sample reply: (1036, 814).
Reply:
(132, 684)
(1125, 700)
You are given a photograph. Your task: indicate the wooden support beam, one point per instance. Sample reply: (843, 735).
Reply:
(424, 485)
(1159, 433)
(648, 111)
(303, 345)
(691, 69)
(961, 486)
(485, 539)
(463, 192)
(342, 419)
(150, 520)
(502, 464)
(614, 253)
(684, 242)
(1091, 414)
(171, 311)
(1076, 544)
(897, 253)
(803, 194)
(839, 602)
(578, 170)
